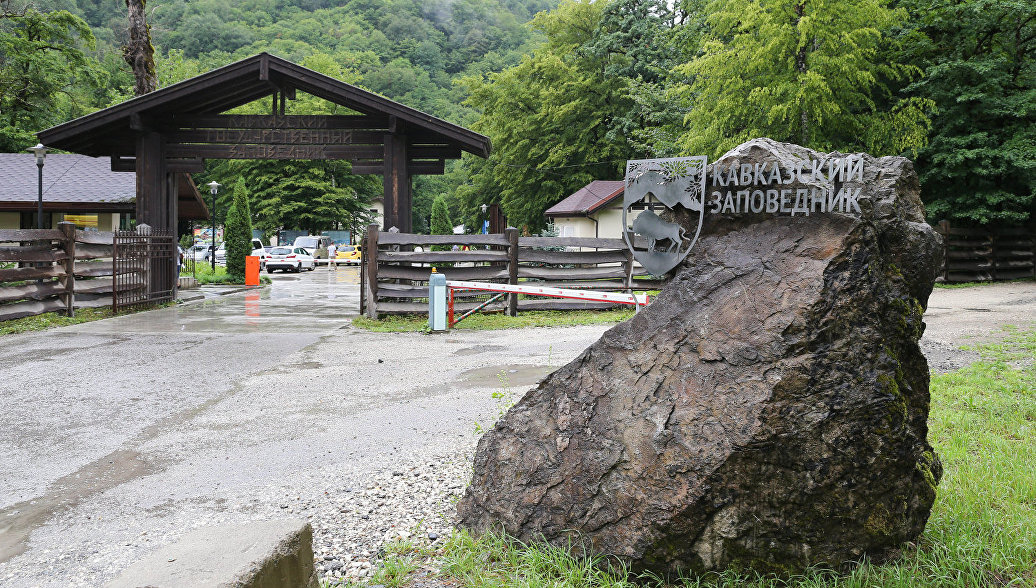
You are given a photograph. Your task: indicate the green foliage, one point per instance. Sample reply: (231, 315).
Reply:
(979, 58)
(441, 223)
(50, 320)
(187, 240)
(805, 72)
(564, 115)
(45, 75)
(238, 234)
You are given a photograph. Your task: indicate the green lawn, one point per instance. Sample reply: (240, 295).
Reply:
(49, 320)
(493, 321)
(982, 531)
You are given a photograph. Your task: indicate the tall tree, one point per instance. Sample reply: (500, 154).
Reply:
(563, 116)
(979, 58)
(44, 71)
(799, 71)
(139, 53)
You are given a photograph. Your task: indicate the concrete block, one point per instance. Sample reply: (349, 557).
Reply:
(265, 554)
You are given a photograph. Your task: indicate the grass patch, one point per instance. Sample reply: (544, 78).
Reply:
(50, 320)
(958, 285)
(982, 530)
(204, 273)
(494, 321)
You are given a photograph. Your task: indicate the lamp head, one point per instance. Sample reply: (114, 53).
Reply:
(213, 186)
(484, 208)
(40, 151)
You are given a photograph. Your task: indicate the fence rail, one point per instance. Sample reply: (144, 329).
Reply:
(975, 255)
(63, 269)
(55, 272)
(394, 276)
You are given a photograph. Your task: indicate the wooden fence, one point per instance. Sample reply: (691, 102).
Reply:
(394, 276)
(974, 255)
(57, 271)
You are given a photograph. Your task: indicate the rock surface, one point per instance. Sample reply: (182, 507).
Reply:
(767, 410)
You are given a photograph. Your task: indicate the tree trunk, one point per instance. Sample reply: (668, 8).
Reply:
(139, 53)
(801, 67)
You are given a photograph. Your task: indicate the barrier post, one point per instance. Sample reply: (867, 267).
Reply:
(252, 270)
(437, 302)
(512, 268)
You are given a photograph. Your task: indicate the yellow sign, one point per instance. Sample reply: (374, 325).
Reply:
(83, 221)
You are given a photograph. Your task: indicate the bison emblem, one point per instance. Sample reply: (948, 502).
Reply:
(662, 183)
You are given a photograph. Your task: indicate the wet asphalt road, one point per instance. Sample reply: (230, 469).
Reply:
(120, 435)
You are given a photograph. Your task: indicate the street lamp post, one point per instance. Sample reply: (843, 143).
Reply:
(41, 154)
(213, 187)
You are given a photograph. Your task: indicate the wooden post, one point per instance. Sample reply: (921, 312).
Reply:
(69, 231)
(370, 250)
(944, 228)
(396, 186)
(512, 268)
(629, 267)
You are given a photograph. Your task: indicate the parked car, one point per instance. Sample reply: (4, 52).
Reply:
(349, 254)
(316, 245)
(257, 250)
(293, 259)
(200, 252)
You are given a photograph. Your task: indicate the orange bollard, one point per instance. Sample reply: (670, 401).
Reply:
(252, 270)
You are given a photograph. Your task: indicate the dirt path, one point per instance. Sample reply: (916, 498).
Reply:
(966, 316)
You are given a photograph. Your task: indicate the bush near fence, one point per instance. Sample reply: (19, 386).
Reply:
(394, 277)
(985, 254)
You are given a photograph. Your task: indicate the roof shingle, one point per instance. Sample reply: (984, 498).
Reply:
(590, 198)
(66, 178)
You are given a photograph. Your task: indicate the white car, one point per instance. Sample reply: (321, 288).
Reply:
(293, 259)
(200, 252)
(257, 250)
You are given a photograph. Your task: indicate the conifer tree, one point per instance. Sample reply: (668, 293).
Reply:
(239, 231)
(803, 72)
(441, 223)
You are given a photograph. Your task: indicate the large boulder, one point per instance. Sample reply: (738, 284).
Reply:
(767, 410)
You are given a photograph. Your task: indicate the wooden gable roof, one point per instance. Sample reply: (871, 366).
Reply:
(111, 131)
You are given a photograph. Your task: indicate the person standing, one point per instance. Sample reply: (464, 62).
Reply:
(332, 253)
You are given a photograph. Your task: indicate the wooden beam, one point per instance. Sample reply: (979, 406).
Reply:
(433, 152)
(274, 151)
(283, 136)
(420, 168)
(290, 121)
(129, 164)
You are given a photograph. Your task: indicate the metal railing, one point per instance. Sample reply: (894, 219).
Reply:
(144, 267)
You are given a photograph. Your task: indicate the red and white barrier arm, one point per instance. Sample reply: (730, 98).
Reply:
(590, 295)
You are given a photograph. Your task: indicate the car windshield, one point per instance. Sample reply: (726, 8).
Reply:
(306, 242)
(347, 248)
(280, 251)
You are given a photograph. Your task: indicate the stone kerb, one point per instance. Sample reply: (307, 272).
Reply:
(266, 554)
(768, 410)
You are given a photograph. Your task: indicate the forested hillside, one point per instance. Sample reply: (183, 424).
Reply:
(412, 51)
(568, 92)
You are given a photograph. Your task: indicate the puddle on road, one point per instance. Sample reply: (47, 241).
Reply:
(18, 521)
(504, 376)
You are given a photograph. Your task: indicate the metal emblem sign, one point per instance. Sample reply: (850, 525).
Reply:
(678, 181)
